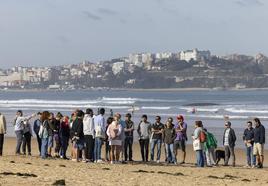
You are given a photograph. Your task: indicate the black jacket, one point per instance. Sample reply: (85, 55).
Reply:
(231, 137)
(259, 134)
(77, 128)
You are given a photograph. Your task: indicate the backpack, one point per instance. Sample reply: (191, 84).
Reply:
(202, 136)
(211, 141)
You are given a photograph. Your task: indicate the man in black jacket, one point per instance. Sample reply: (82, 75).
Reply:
(229, 139)
(259, 141)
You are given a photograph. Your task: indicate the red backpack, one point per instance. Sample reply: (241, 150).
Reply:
(202, 136)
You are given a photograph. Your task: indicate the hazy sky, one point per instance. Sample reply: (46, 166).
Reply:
(49, 32)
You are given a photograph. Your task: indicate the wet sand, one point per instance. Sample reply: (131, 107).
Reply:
(25, 170)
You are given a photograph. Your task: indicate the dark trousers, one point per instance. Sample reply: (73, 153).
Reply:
(57, 142)
(1, 144)
(144, 145)
(89, 149)
(39, 141)
(26, 142)
(107, 150)
(229, 152)
(19, 136)
(64, 145)
(128, 148)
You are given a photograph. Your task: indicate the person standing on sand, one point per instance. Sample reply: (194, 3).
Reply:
(78, 136)
(107, 145)
(181, 138)
(3, 130)
(99, 129)
(198, 144)
(169, 136)
(56, 134)
(122, 135)
(19, 123)
(129, 137)
(157, 130)
(51, 127)
(259, 141)
(64, 136)
(43, 133)
(248, 138)
(27, 138)
(209, 146)
(36, 128)
(114, 133)
(88, 127)
(229, 139)
(144, 133)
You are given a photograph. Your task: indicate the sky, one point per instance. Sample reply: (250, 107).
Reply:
(55, 32)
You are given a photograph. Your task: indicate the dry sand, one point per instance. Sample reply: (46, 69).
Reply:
(46, 172)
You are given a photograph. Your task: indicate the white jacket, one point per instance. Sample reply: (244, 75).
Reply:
(88, 125)
(3, 127)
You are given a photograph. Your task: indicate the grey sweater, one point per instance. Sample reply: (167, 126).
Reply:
(144, 130)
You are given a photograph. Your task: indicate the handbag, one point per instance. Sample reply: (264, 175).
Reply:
(197, 144)
(99, 132)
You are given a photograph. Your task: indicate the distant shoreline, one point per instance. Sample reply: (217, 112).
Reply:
(134, 89)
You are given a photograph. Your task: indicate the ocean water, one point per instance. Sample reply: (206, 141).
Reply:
(237, 106)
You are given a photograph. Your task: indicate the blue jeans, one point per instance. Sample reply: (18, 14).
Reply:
(153, 143)
(170, 153)
(251, 159)
(97, 148)
(19, 135)
(200, 158)
(44, 147)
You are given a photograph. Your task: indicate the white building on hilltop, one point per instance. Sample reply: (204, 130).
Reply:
(136, 59)
(195, 55)
(163, 55)
(118, 67)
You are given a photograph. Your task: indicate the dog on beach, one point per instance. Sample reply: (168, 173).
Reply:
(220, 154)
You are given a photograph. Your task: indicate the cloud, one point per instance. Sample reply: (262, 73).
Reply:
(92, 16)
(106, 11)
(245, 3)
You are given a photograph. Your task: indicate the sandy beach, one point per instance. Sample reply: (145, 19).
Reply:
(24, 170)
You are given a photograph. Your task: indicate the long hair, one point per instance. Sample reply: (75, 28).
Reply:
(257, 120)
(45, 116)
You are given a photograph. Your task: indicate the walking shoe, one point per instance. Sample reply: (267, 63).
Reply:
(260, 166)
(158, 161)
(99, 161)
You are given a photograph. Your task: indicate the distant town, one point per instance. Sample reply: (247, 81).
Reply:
(184, 69)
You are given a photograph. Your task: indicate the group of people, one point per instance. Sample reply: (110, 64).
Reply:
(204, 144)
(88, 133)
